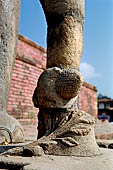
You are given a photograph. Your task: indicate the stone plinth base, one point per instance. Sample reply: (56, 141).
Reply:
(100, 162)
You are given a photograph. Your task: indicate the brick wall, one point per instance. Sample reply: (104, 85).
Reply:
(29, 64)
(87, 99)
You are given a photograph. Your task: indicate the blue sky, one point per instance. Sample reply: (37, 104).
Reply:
(97, 57)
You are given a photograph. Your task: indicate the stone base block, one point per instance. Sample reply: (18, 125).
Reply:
(104, 161)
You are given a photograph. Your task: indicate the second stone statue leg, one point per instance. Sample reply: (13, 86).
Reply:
(9, 20)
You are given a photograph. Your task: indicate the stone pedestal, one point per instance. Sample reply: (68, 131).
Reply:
(99, 162)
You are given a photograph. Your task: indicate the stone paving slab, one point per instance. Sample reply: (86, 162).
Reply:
(101, 162)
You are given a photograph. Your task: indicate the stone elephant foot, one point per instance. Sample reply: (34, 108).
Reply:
(10, 129)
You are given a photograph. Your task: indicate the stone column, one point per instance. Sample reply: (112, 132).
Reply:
(9, 20)
(58, 86)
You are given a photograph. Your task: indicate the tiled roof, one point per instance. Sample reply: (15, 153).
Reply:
(105, 100)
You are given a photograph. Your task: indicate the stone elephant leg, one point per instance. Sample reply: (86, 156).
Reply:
(59, 85)
(9, 20)
(64, 129)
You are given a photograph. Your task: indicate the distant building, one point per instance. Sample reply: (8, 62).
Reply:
(105, 108)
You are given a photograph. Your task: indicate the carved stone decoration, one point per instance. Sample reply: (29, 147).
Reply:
(63, 129)
(9, 20)
(68, 84)
(48, 93)
(74, 136)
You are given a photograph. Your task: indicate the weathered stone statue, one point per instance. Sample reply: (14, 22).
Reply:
(63, 129)
(9, 19)
(66, 130)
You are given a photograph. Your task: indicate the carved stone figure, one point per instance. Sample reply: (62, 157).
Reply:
(66, 130)
(62, 128)
(9, 19)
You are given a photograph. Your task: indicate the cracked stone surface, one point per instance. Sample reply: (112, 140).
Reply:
(100, 162)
